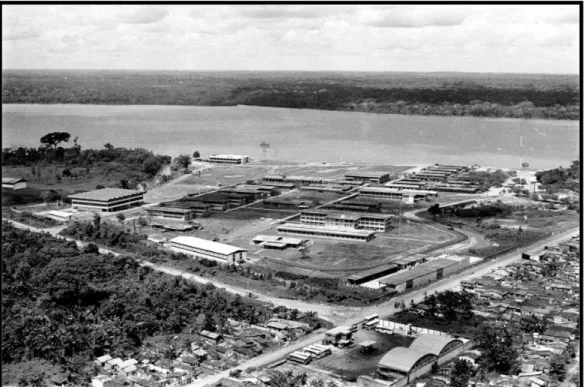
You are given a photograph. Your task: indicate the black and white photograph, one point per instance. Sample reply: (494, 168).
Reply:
(291, 194)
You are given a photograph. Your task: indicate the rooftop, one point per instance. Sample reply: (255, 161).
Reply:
(374, 174)
(401, 358)
(11, 180)
(431, 343)
(336, 230)
(106, 194)
(207, 245)
(401, 191)
(369, 272)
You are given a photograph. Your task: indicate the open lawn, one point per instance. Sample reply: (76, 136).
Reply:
(349, 363)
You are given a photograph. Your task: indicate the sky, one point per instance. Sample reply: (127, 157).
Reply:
(423, 38)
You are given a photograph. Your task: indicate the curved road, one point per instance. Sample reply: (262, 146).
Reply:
(341, 314)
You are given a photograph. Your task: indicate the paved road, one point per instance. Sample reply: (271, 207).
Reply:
(344, 315)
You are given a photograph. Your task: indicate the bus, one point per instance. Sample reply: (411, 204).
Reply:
(317, 351)
(300, 357)
(370, 322)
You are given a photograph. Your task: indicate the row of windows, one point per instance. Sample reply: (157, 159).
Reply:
(200, 251)
(326, 234)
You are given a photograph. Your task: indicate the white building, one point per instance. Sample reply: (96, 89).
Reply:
(230, 159)
(207, 249)
(107, 199)
(13, 183)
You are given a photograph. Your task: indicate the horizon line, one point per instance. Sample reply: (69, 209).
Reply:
(300, 71)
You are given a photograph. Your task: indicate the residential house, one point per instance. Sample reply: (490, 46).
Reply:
(211, 337)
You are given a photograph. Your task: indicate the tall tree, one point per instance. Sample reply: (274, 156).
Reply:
(55, 138)
(183, 161)
(265, 146)
(461, 373)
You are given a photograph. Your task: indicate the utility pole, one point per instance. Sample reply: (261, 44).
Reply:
(399, 216)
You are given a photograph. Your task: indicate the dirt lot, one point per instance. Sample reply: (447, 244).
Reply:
(349, 363)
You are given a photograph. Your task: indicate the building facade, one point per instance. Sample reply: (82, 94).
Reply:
(207, 249)
(107, 199)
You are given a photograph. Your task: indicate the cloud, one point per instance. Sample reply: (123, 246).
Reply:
(284, 11)
(143, 15)
(413, 17)
(19, 33)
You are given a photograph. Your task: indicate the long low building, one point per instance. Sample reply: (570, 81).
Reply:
(13, 183)
(368, 177)
(184, 214)
(107, 199)
(326, 232)
(207, 249)
(229, 159)
(425, 273)
(408, 195)
(363, 221)
(279, 243)
(372, 274)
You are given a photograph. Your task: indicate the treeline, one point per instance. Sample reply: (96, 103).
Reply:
(68, 305)
(553, 180)
(503, 97)
(145, 160)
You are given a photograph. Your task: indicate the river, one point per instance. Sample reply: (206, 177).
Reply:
(307, 135)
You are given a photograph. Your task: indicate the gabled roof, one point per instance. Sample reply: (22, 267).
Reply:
(207, 245)
(402, 359)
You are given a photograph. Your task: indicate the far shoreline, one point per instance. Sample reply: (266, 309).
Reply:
(178, 106)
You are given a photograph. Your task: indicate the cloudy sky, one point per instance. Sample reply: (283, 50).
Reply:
(477, 38)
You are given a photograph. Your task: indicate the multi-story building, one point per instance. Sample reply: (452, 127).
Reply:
(107, 199)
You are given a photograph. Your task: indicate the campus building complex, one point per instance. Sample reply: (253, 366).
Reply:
(207, 249)
(107, 199)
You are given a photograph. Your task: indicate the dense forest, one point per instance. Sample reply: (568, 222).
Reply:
(561, 178)
(482, 95)
(68, 306)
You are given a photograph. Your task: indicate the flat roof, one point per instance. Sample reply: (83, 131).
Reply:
(170, 209)
(317, 229)
(229, 156)
(367, 343)
(374, 174)
(339, 329)
(410, 259)
(106, 194)
(395, 190)
(402, 359)
(62, 214)
(277, 238)
(204, 244)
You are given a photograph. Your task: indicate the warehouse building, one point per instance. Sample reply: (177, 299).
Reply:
(229, 159)
(13, 183)
(207, 249)
(326, 232)
(276, 242)
(405, 363)
(406, 195)
(280, 185)
(424, 273)
(107, 199)
(410, 261)
(61, 216)
(372, 274)
(184, 214)
(444, 347)
(368, 177)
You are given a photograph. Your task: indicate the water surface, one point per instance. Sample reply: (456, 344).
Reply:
(308, 135)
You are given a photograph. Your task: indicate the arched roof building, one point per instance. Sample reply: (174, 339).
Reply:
(435, 344)
(401, 361)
